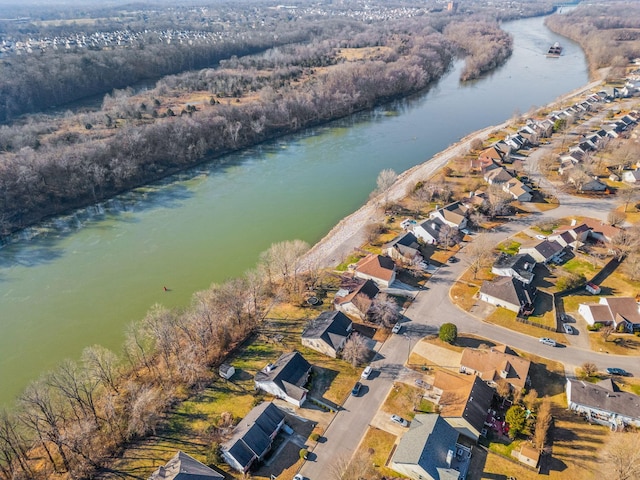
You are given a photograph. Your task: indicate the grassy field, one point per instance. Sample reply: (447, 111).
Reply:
(616, 344)
(507, 318)
(381, 443)
(402, 400)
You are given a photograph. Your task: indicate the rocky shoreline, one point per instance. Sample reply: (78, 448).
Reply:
(349, 233)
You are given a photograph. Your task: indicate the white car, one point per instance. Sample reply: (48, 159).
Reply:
(548, 341)
(367, 371)
(541, 237)
(399, 420)
(297, 476)
(396, 328)
(568, 329)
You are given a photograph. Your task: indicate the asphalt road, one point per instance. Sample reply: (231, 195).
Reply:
(432, 307)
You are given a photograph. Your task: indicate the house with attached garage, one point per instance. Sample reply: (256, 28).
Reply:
(328, 333)
(603, 403)
(518, 266)
(285, 378)
(620, 312)
(429, 450)
(545, 251)
(358, 300)
(185, 467)
(463, 401)
(631, 176)
(431, 231)
(454, 215)
(509, 293)
(404, 247)
(381, 269)
(252, 437)
(494, 364)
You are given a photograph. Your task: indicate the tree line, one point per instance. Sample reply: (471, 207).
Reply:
(72, 170)
(75, 418)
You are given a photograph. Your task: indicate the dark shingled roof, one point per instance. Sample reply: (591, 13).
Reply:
(252, 436)
(510, 290)
(602, 397)
(517, 263)
(332, 327)
(548, 249)
(289, 373)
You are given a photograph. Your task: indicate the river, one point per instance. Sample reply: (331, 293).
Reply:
(79, 280)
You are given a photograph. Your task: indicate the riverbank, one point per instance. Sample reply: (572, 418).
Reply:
(350, 232)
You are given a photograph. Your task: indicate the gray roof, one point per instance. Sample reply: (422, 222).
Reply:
(602, 397)
(521, 263)
(510, 290)
(252, 436)
(427, 443)
(405, 243)
(332, 327)
(184, 467)
(289, 373)
(548, 249)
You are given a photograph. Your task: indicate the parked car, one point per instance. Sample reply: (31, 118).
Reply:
(366, 372)
(541, 237)
(297, 476)
(421, 383)
(453, 259)
(399, 420)
(568, 329)
(396, 328)
(618, 371)
(356, 389)
(548, 341)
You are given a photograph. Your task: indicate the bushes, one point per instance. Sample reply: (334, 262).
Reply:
(448, 332)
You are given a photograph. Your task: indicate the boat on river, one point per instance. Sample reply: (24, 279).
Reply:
(554, 50)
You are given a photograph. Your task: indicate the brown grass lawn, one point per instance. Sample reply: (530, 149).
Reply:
(402, 399)
(463, 291)
(617, 344)
(507, 318)
(381, 443)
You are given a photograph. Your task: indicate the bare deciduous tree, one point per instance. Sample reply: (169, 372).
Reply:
(355, 349)
(543, 422)
(621, 456)
(589, 369)
(384, 310)
(503, 388)
(530, 400)
(386, 178)
(479, 254)
(616, 218)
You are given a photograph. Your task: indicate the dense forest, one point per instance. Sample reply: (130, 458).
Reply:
(609, 34)
(318, 70)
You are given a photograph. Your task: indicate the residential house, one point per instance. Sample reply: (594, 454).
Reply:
(454, 215)
(600, 231)
(404, 247)
(498, 176)
(515, 142)
(430, 450)
(358, 301)
(252, 437)
(545, 251)
(492, 154)
(620, 312)
(328, 333)
(285, 378)
(380, 269)
(585, 183)
(603, 403)
(431, 231)
(631, 176)
(463, 401)
(226, 371)
(518, 266)
(527, 455)
(496, 363)
(571, 236)
(185, 467)
(509, 293)
(518, 190)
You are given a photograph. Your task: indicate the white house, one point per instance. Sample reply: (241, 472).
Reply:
(603, 403)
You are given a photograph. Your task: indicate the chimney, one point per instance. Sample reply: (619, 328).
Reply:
(573, 222)
(449, 458)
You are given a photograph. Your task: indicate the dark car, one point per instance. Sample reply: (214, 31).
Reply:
(453, 259)
(618, 371)
(356, 389)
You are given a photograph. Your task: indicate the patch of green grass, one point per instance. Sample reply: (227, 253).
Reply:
(578, 266)
(510, 248)
(348, 261)
(402, 400)
(502, 448)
